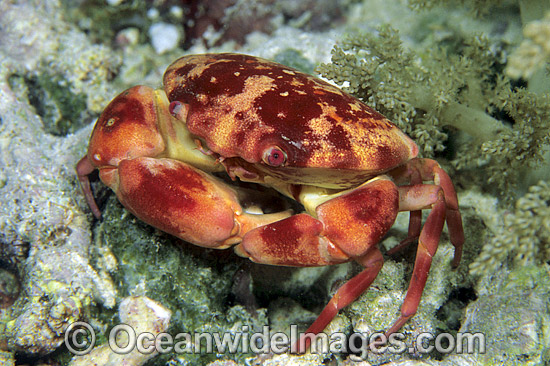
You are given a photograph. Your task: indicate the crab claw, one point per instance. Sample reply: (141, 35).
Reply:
(346, 228)
(127, 129)
(183, 201)
(177, 199)
(83, 169)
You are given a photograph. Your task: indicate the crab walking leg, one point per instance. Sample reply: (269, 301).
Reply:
(183, 201)
(415, 219)
(346, 294)
(414, 198)
(348, 227)
(430, 170)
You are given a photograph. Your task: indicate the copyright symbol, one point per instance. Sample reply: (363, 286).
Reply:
(79, 338)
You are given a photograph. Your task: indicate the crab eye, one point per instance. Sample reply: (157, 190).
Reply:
(274, 157)
(175, 108)
(178, 110)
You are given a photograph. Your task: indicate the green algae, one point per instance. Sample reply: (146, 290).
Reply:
(293, 58)
(101, 22)
(62, 112)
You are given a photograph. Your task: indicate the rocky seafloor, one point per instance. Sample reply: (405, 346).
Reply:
(467, 82)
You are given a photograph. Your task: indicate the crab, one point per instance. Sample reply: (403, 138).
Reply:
(349, 167)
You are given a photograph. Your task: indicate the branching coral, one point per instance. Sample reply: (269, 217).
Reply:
(457, 88)
(529, 59)
(523, 145)
(525, 238)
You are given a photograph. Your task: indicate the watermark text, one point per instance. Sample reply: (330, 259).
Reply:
(80, 338)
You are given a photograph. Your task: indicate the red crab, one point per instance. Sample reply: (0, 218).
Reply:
(261, 122)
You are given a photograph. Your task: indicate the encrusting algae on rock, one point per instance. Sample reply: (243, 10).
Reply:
(142, 315)
(38, 210)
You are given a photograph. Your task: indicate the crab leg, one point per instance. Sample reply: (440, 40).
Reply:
(415, 218)
(414, 198)
(348, 227)
(345, 295)
(411, 198)
(429, 169)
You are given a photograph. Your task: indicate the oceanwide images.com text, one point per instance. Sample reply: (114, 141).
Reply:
(80, 338)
